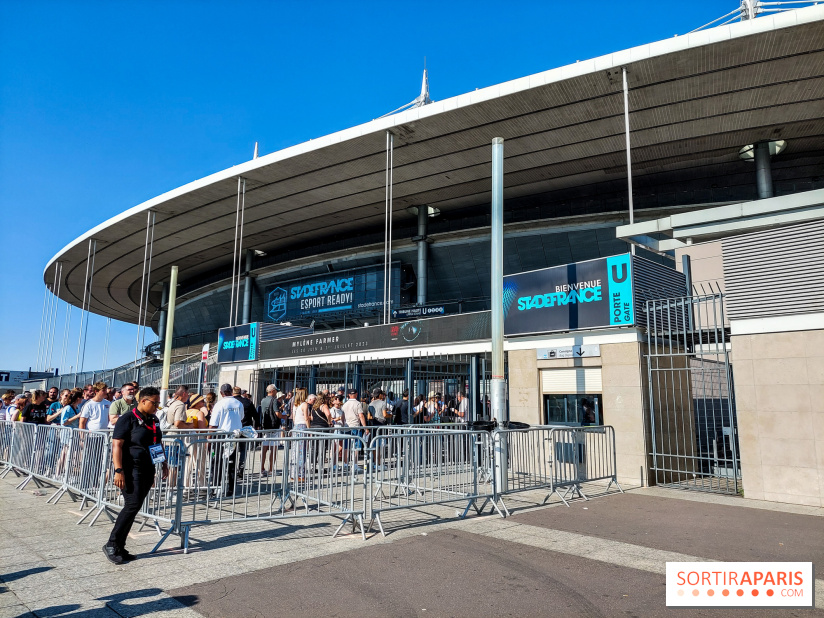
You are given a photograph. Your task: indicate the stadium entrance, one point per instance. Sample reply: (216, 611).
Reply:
(442, 376)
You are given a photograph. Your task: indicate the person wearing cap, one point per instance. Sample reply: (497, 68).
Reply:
(250, 419)
(196, 461)
(271, 420)
(18, 404)
(353, 416)
(377, 408)
(125, 404)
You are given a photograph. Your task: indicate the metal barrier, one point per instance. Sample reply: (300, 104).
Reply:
(420, 468)
(557, 459)
(219, 478)
(85, 457)
(226, 481)
(47, 464)
(6, 446)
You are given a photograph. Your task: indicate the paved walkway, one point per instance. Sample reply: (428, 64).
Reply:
(602, 557)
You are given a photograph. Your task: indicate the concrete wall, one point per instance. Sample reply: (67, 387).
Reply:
(623, 393)
(707, 264)
(779, 390)
(241, 378)
(525, 398)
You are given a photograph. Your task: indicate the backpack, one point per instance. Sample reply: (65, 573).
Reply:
(161, 417)
(270, 418)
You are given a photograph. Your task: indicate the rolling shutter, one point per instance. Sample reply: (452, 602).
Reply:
(571, 381)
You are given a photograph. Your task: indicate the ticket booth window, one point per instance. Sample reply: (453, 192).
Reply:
(573, 409)
(572, 396)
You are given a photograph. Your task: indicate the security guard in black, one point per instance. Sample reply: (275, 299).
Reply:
(136, 434)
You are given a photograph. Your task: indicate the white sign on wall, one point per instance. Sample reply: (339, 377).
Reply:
(570, 351)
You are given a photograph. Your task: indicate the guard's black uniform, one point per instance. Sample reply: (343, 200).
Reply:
(138, 433)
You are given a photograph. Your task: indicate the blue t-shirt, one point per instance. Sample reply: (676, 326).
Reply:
(66, 414)
(53, 408)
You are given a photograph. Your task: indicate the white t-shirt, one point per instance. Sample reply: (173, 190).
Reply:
(337, 416)
(463, 408)
(227, 414)
(98, 414)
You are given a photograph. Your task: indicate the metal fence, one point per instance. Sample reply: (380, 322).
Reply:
(446, 375)
(693, 427)
(352, 474)
(556, 459)
(184, 372)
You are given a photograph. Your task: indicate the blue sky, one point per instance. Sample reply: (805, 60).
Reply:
(104, 105)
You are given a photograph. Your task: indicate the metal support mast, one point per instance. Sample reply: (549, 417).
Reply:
(170, 327)
(498, 384)
(629, 156)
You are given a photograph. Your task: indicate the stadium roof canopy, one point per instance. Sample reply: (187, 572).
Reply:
(695, 100)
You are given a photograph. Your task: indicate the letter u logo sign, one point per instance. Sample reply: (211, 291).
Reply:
(615, 276)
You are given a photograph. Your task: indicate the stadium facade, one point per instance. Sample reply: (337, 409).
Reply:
(730, 118)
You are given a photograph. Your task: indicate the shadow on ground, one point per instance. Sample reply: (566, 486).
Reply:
(121, 604)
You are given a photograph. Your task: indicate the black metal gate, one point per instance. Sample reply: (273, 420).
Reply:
(693, 428)
(445, 375)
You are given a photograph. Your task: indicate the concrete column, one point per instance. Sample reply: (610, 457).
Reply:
(161, 322)
(423, 265)
(498, 385)
(763, 171)
(170, 326)
(247, 290)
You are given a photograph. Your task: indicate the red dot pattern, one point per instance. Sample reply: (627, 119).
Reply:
(725, 592)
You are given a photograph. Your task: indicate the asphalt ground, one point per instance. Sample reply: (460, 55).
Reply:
(605, 557)
(463, 573)
(712, 531)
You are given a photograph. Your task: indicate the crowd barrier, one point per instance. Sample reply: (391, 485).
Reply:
(557, 459)
(414, 468)
(352, 474)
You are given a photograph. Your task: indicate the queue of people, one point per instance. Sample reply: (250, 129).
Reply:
(137, 422)
(98, 406)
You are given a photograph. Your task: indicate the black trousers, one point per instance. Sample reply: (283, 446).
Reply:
(138, 484)
(224, 468)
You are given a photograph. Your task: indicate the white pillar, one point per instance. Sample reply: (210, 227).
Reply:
(170, 327)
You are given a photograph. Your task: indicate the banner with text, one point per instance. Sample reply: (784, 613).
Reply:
(357, 291)
(591, 294)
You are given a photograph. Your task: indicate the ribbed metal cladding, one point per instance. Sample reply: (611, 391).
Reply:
(775, 272)
(269, 332)
(653, 281)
